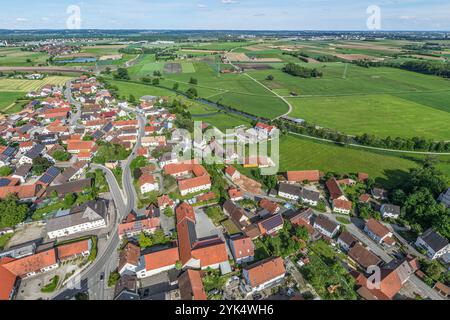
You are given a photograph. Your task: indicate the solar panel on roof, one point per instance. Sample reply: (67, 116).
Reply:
(46, 179)
(9, 151)
(4, 182)
(53, 171)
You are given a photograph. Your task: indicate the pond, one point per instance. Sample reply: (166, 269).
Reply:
(77, 60)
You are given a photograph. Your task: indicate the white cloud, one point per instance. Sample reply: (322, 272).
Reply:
(229, 1)
(202, 6)
(21, 19)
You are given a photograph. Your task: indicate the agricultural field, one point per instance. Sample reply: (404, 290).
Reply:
(147, 65)
(8, 101)
(16, 57)
(298, 153)
(380, 114)
(14, 85)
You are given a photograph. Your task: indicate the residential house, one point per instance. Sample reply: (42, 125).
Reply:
(235, 212)
(155, 262)
(326, 227)
(271, 225)
(444, 198)
(232, 173)
(346, 241)
(235, 194)
(74, 250)
(378, 232)
(363, 257)
(129, 259)
(303, 176)
(335, 190)
(191, 285)
(242, 248)
(435, 245)
(379, 194)
(91, 215)
(390, 211)
(289, 191)
(147, 183)
(264, 274)
(342, 206)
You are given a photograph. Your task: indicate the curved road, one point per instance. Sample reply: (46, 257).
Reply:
(125, 201)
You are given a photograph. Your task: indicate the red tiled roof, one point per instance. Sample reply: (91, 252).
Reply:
(160, 259)
(33, 263)
(7, 279)
(23, 191)
(185, 210)
(265, 271)
(377, 228)
(235, 193)
(334, 188)
(364, 198)
(191, 286)
(230, 170)
(342, 204)
(270, 206)
(243, 247)
(164, 200)
(137, 226)
(72, 249)
(184, 240)
(194, 182)
(211, 254)
(146, 178)
(73, 145)
(363, 176)
(300, 176)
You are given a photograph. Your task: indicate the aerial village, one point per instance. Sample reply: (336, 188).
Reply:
(95, 191)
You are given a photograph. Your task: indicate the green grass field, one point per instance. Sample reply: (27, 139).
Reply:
(138, 90)
(298, 153)
(15, 85)
(8, 98)
(378, 114)
(16, 57)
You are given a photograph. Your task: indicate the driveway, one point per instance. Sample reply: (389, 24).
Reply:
(204, 226)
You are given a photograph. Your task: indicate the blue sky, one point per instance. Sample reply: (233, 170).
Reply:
(227, 14)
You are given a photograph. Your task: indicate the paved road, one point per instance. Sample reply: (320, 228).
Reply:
(108, 257)
(127, 179)
(69, 97)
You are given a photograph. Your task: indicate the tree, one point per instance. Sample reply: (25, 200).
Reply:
(155, 82)
(40, 165)
(178, 265)
(11, 212)
(192, 93)
(88, 137)
(302, 233)
(176, 85)
(157, 73)
(5, 171)
(122, 74)
(114, 277)
(144, 241)
(193, 81)
(169, 212)
(61, 155)
(270, 77)
(69, 200)
(132, 98)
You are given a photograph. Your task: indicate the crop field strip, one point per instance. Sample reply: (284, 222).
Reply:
(14, 85)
